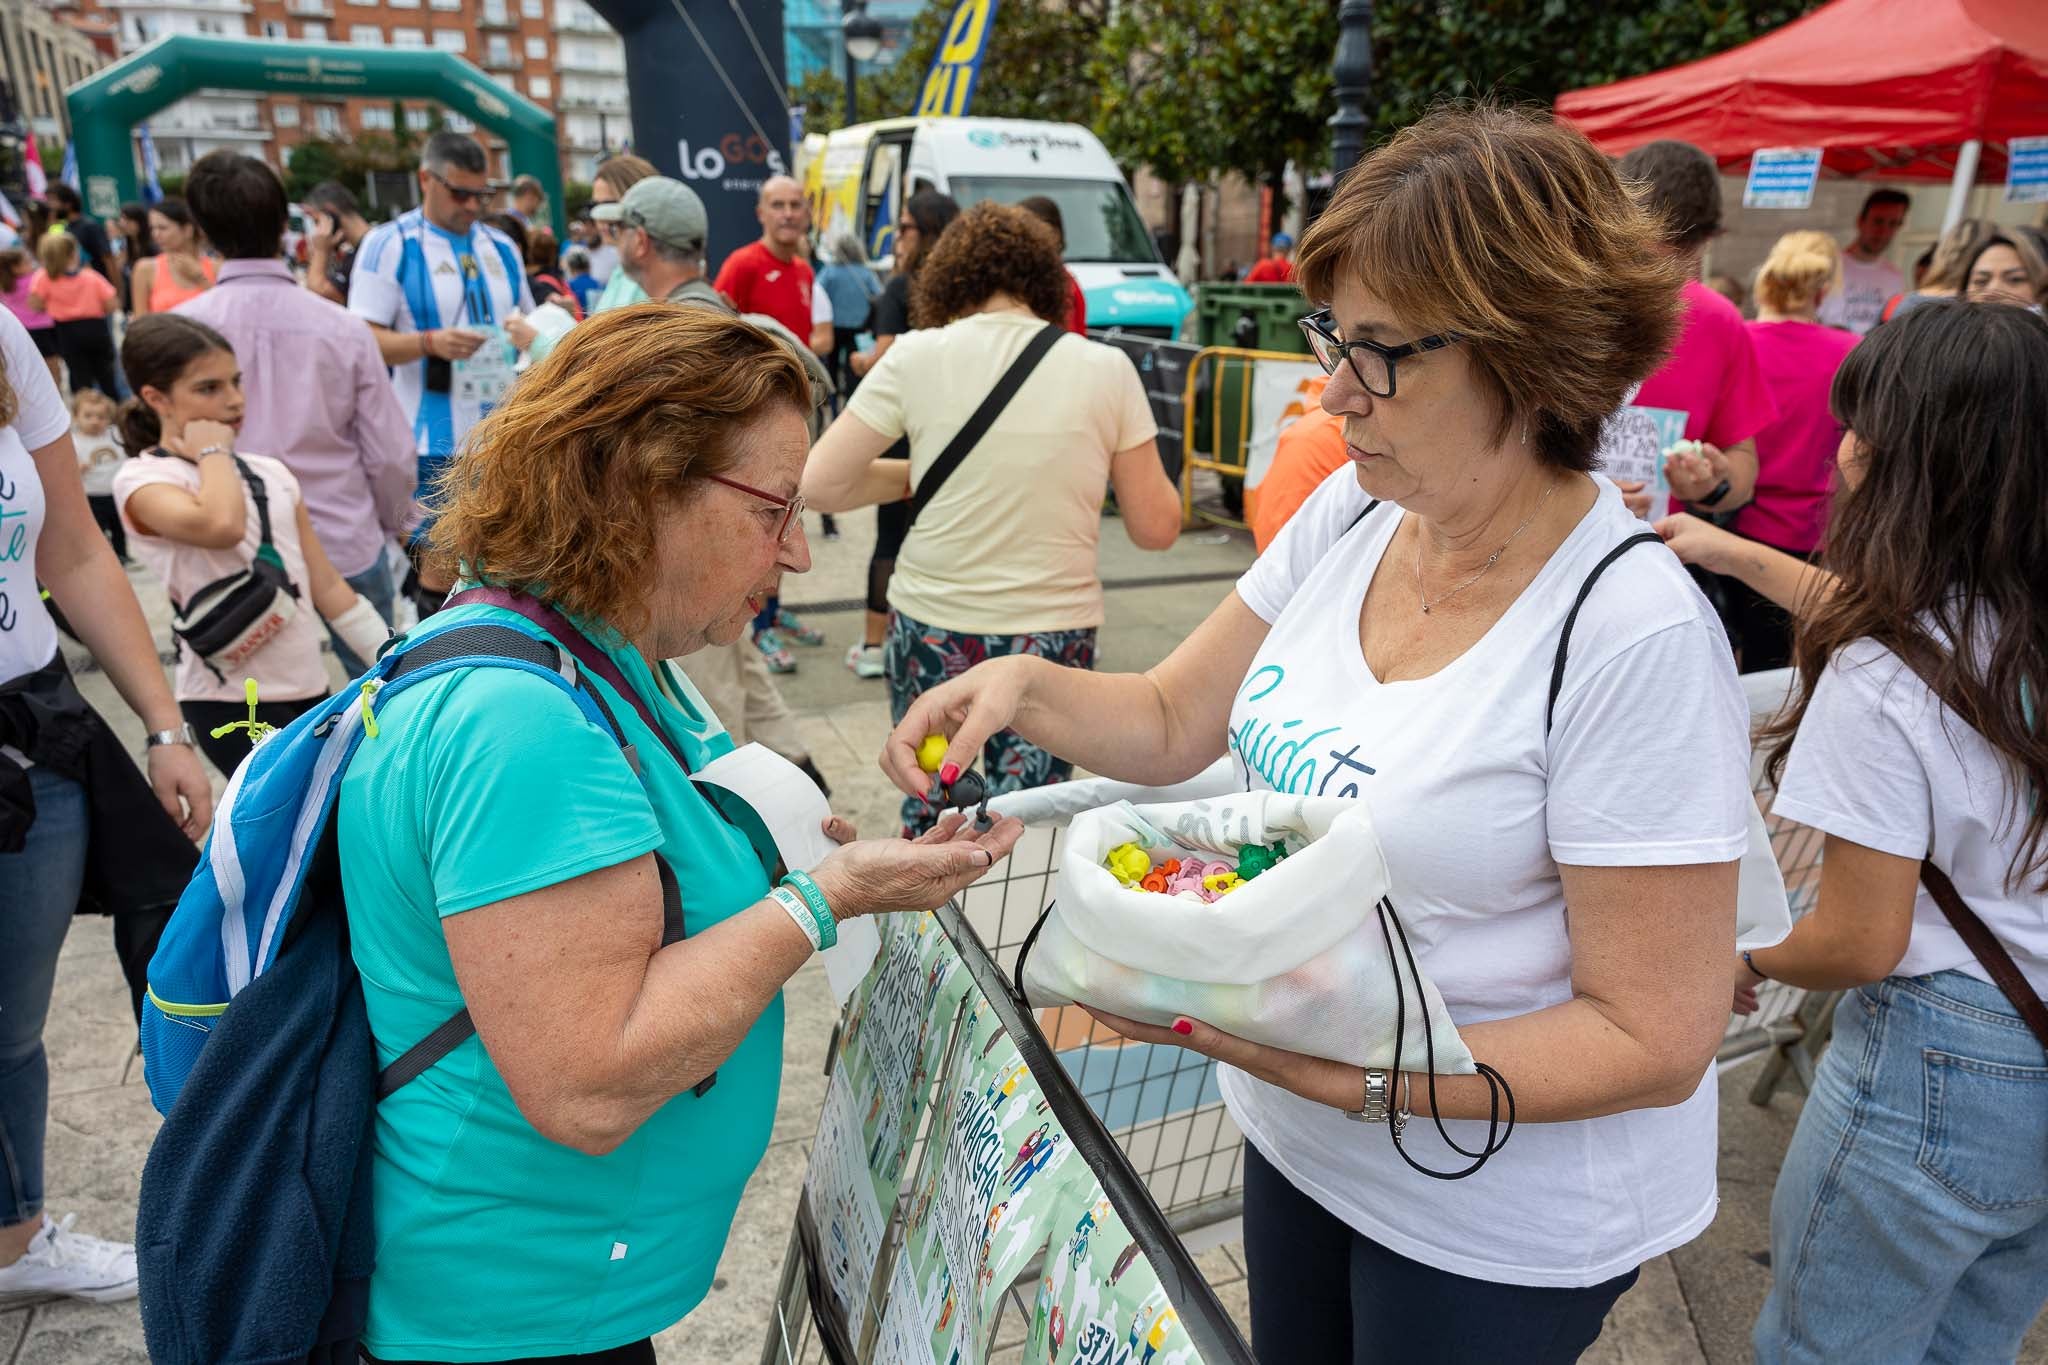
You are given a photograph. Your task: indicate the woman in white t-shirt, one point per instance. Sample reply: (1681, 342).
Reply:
(1564, 866)
(188, 500)
(48, 795)
(1911, 1216)
(1002, 560)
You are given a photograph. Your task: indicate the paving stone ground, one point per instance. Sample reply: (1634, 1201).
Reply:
(1695, 1305)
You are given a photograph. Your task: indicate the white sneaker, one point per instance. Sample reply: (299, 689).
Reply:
(62, 1262)
(865, 661)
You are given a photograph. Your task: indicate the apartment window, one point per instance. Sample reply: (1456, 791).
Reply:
(448, 6)
(274, 28)
(419, 120)
(458, 124)
(365, 35)
(403, 4)
(537, 49)
(377, 117)
(408, 37)
(313, 32)
(213, 26)
(540, 87)
(285, 116)
(327, 120)
(533, 9)
(450, 39)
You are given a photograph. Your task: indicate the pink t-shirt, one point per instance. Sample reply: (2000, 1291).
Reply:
(16, 300)
(1796, 450)
(1712, 375)
(289, 667)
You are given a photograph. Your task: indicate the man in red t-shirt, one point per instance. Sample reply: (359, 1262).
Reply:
(1277, 268)
(771, 276)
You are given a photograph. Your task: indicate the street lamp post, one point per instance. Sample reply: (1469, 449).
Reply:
(863, 34)
(1353, 72)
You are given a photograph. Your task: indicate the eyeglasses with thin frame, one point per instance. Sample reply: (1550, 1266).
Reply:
(792, 508)
(462, 195)
(1371, 362)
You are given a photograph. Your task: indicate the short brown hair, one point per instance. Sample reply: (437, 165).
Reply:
(988, 250)
(1681, 186)
(622, 172)
(557, 490)
(1515, 233)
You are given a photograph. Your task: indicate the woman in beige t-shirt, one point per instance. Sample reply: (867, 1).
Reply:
(1002, 559)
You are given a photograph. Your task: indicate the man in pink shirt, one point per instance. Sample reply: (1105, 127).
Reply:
(1712, 376)
(319, 397)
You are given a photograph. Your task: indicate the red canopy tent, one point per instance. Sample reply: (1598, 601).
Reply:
(1888, 89)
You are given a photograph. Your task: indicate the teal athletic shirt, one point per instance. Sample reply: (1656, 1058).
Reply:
(494, 1242)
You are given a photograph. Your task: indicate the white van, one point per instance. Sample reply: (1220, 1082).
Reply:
(859, 177)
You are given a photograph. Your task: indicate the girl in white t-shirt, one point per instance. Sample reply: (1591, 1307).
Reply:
(1910, 1220)
(189, 501)
(1564, 864)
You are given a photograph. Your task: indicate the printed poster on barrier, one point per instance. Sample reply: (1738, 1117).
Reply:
(999, 1178)
(1282, 390)
(1632, 446)
(1099, 1300)
(896, 1028)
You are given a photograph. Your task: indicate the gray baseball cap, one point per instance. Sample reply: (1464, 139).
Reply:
(667, 210)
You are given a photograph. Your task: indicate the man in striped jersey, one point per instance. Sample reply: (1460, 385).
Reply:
(436, 285)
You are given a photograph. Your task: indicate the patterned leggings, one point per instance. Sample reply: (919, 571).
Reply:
(918, 657)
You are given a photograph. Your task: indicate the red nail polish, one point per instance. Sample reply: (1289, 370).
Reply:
(1183, 1027)
(949, 774)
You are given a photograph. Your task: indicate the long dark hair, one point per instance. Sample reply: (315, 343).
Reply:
(1941, 549)
(154, 354)
(933, 213)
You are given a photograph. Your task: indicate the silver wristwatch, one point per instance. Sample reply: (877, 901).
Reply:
(1378, 1091)
(184, 734)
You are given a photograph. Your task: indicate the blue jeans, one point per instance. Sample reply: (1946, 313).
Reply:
(1911, 1217)
(374, 586)
(38, 896)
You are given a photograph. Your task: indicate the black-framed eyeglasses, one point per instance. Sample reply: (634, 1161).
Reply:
(1370, 361)
(792, 508)
(462, 196)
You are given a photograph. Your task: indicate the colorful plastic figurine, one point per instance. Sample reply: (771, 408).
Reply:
(1154, 881)
(1221, 883)
(1128, 863)
(1253, 859)
(931, 753)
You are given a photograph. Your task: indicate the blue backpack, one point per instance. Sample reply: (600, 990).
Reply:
(253, 1236)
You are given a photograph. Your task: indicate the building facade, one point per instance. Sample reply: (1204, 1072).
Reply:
(42, 53)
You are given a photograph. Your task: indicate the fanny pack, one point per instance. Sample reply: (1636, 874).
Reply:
(225, 622)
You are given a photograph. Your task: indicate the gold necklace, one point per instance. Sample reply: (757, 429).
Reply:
(1491, 559)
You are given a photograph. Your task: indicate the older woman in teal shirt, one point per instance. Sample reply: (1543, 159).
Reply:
(558, 1185)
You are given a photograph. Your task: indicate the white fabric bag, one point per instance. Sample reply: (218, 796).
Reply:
(1296, 958)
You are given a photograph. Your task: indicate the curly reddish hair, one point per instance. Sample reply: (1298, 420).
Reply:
(990, 249)
(557, 491)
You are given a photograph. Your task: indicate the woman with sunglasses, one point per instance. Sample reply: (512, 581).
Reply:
(1493, 292)
(501, 853)
(1000, 555)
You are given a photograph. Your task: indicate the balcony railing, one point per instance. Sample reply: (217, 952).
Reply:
(498, 19)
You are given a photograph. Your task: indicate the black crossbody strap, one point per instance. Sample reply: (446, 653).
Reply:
(261, 496)
(962, 445)
(1564, 637)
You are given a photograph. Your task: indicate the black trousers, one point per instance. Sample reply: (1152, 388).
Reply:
(635, 1353)
(109, 518)
(1322, 1292)
(87, 347)
(227, 752)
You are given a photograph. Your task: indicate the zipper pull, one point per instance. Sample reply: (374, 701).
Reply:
(369, 691)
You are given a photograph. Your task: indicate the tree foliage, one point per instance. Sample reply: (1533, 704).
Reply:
(1535, 50)
(321, 159)
(1193, 88)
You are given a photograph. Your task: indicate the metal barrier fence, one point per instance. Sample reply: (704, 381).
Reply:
(1218, 432)
(810, 1323)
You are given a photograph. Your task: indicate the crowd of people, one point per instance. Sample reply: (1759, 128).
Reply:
(610, 446)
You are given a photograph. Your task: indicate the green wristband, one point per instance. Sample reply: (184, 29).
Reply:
(828, 927)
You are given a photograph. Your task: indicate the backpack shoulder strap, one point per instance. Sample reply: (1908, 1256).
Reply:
(484, 645)
(1564, 637)
(969, 436)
